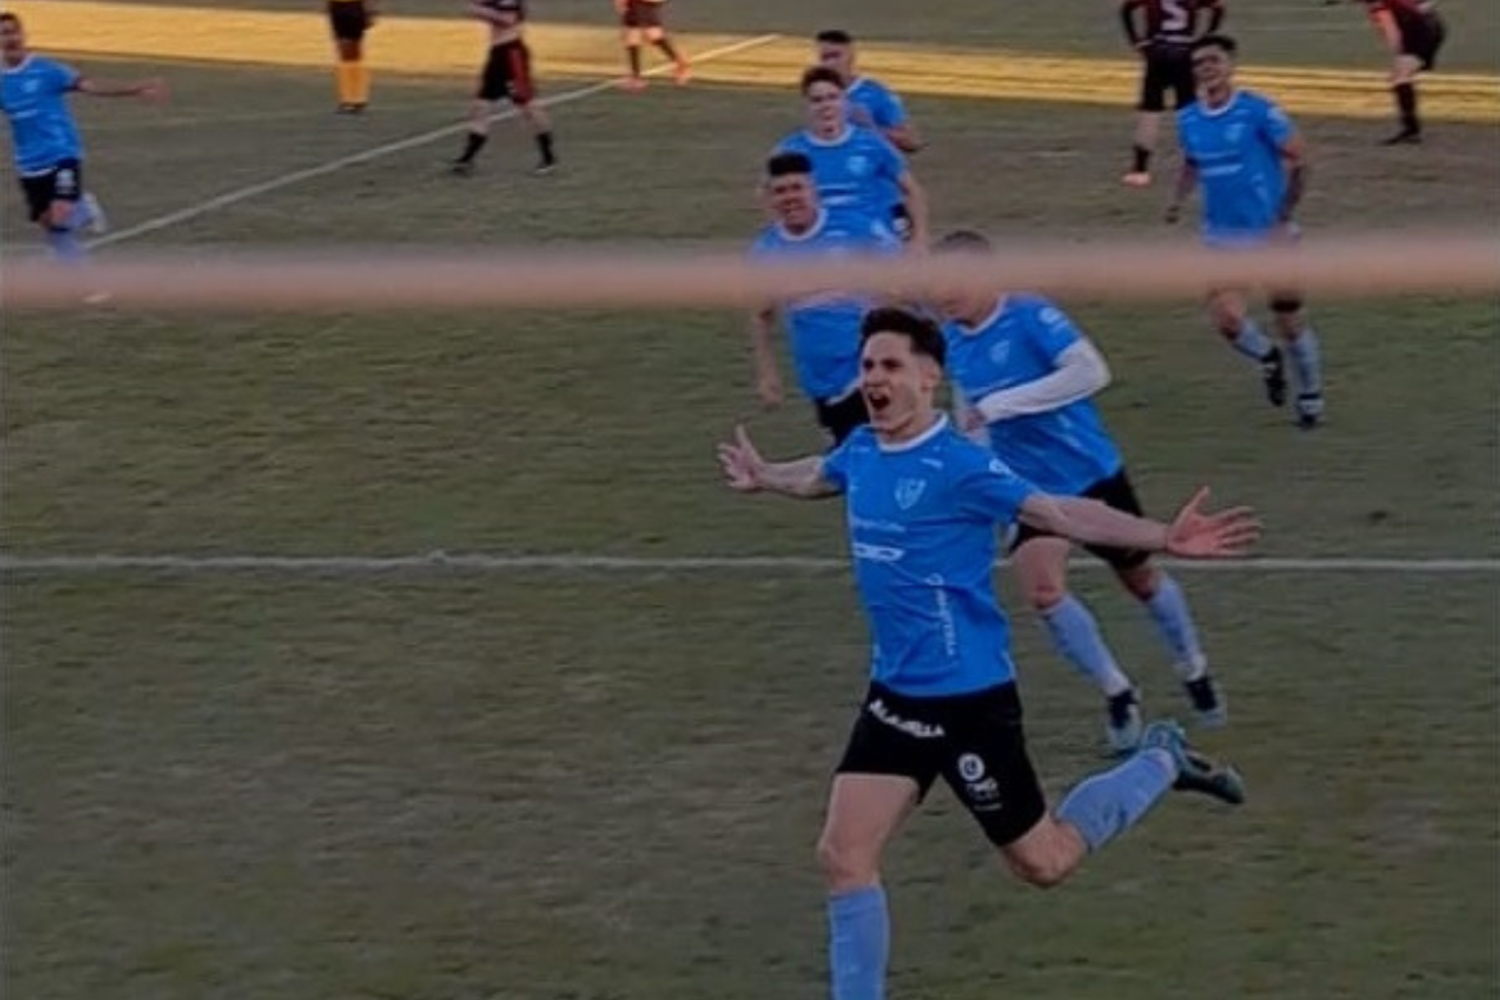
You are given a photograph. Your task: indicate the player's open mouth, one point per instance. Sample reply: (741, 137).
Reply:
(877, 401)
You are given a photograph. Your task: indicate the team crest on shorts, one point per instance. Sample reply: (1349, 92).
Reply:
(971, 767)
(909, 491)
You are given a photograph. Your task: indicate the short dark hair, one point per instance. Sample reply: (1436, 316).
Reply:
(820, 74)
(788, 163)
(12, 18)
(1223, 42)
(970, 241)
(925, 336)
(834, 36)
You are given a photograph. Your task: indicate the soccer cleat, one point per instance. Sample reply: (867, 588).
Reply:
(682, 72)
(1123, 728)
(1405, 137)
(1273, 371)
(98, 222)
(461, 168)
(1196, 772)
(1136, 179)
(544, 168)
(1309, 410)
(1208, 702)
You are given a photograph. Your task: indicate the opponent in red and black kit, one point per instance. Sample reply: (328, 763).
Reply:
(506, 76)
(1413, 32)
(1163, 31)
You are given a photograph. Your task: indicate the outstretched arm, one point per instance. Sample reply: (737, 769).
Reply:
(1192, 533)
(746, 472)
(152, 90)
(1187, 180)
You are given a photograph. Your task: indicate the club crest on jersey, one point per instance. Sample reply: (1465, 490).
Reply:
(858, 164)
(909, 491)
(1235, 132)
(1000, 353)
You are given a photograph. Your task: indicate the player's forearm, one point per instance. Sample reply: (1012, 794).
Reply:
(1090, 522)
(1187, 180)
(801, 479)
(1296, 187)
(762, 343)
(1081, 372)
(904, 138)
(915, 198)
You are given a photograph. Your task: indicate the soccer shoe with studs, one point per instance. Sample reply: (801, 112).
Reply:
(1309, 410)
(1273, 374)
(1122, 728)
(1208, 702)
(1196, 771)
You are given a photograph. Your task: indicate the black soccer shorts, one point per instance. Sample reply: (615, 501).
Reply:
(1167, 70)
(62, 182)
(349, 19)
(1423, 43)
(507, 74)
(641, 14)
(1116, 492)
(975, 741)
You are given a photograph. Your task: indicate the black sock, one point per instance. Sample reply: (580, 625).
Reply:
(633, 53)
(473, 143)
(1142, 159)
(1406, 101)
(544, 146)
(665, 44)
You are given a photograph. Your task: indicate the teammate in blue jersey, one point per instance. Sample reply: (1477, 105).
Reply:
(923, 504)
(855, 168)
(1242, 150)
(1025, 376)
(48, 152)
(824, 329)
(871, 103)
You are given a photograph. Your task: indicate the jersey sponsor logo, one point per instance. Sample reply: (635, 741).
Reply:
(911, 727)
(877, 553)
(909, 491)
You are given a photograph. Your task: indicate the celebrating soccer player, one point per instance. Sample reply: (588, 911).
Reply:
(871, 103)
(48, 151)
(824, 328)
(855, 167)
(1251, 164)
(923, 507)
(1026, 375)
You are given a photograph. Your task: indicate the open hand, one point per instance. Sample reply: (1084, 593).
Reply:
(1195, 534)
(741, 462)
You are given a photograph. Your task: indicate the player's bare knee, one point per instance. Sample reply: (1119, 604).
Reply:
(1045, 593)
(846, 866)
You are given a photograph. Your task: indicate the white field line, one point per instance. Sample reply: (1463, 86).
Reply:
(243, 194)
(580, 563)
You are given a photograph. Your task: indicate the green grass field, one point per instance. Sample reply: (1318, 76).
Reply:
(587, 784)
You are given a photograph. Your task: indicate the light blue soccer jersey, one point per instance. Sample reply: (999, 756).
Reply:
(824, 328)
(1062, 451)
(860, 171)
(1237, 150)
(34, 97)
(922, 517)
(879, 102)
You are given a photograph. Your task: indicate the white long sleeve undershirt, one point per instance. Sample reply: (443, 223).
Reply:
(1081, 371)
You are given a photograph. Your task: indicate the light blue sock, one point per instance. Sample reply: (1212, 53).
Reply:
(1169, 610)
(859, 943)
(1076, 636)
(1307, 361)
(1251, 342)
(1104, 806)
(64, 243)
(81, 215)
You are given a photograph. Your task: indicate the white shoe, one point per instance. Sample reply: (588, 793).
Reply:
(99, 224)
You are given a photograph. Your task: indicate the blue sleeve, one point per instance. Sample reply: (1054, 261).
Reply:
(836, 464)
(1051, 330)
(989, 491)
(62, 78)
(889, 112)
(1275, 125)
(890, 163)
